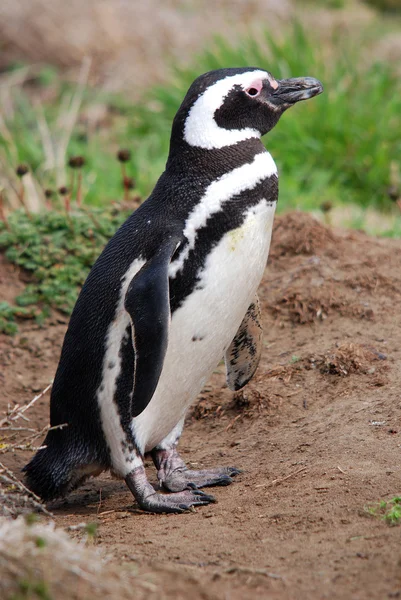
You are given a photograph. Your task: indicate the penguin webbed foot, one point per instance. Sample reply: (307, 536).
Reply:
(173, 473)
(149, 500)
(182, 479)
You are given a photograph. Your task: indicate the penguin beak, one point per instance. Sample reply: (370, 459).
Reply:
(290, 91)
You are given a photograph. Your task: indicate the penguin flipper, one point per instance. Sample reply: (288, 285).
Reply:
(147, 302)
(243, 355)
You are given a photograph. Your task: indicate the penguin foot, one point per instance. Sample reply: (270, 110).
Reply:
(175, 476)
(182, 479)
(148, 499)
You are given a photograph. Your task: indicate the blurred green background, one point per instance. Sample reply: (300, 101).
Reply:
(73, 96)
(90, 78)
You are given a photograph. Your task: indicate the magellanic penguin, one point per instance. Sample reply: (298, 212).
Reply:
(172, 293)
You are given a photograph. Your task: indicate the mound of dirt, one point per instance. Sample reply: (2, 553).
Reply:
(300, 233)
(350, 358)
(327, 273)
(317, 433)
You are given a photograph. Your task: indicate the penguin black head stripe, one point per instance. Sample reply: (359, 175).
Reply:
(172, 293)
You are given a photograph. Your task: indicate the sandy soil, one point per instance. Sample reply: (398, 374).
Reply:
(317, 434)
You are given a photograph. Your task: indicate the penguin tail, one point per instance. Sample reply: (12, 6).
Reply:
(48, 474)
(58, 468)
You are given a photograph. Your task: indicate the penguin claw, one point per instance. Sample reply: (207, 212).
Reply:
(234, 471)
(204, 496)
(201, 499)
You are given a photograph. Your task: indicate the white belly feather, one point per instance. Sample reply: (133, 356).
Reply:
(204, 326)
(206, 323)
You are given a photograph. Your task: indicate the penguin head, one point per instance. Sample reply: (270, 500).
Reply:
(226, 106)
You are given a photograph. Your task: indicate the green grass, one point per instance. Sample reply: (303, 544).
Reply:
(388, 510)
(343, 146)
(22, 139)
(339, 146)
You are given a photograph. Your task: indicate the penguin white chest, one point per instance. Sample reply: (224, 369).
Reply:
(205, 324)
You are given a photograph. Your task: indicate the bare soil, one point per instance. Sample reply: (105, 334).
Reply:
(317, 434)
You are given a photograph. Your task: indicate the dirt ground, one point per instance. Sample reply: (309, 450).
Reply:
(317, 434)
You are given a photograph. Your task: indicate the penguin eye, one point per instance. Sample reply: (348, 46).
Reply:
(254, 89)
(252, 92)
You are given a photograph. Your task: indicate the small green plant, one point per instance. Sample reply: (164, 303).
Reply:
(9, 313)
(40, 542)
(32, 589)
(388, 510)
(31, 519)
(57, 249)
(91, 530)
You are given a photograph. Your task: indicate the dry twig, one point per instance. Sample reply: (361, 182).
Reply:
(18, 412)
(69, 119)
(250, 570)
(8, 477)
(278, 481)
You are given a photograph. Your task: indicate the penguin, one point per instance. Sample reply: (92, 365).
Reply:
(172, 293)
